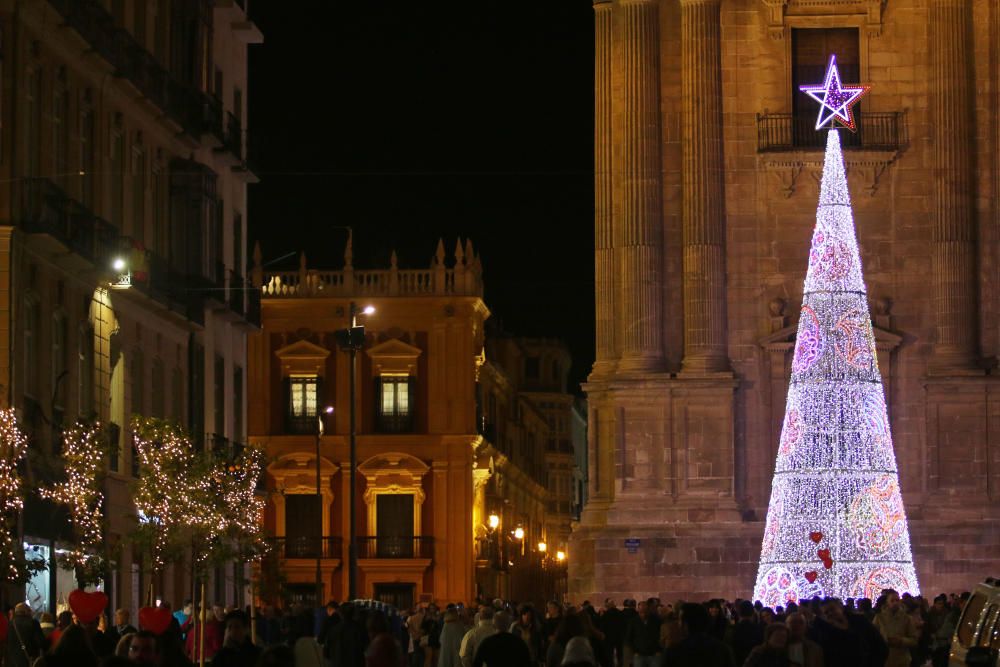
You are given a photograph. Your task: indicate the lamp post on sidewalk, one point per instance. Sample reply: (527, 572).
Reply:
(351, 340)
(319, 502)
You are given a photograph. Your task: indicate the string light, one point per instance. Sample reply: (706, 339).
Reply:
(836, 99)
(82, 494)
(835, 525)
(13, 446)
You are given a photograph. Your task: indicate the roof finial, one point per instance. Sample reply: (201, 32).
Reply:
(459, 254)
(439, 255)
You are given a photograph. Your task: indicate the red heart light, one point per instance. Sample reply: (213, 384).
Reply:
(828, 563)
(824, 554)
(816, 536)
(154, 619)
(87, 606)
(811, 576)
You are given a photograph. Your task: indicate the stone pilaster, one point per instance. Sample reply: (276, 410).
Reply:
(636, 184)
(954, 232)
(704, 216)
(604, 260)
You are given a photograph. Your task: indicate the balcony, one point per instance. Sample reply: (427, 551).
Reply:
(46, 209)
(373, 547)
(786, 132)
(191, 109)
(244, 300)
(307, 547)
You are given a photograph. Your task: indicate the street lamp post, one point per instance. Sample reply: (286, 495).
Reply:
(319, 502)
(351, 340)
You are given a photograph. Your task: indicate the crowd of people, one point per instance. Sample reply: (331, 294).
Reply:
(893, 632)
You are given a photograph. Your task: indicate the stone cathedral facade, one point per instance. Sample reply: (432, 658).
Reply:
(707, 176)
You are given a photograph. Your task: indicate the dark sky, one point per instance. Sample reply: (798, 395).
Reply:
(416, 120)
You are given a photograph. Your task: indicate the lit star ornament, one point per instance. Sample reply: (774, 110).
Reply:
(836, 99)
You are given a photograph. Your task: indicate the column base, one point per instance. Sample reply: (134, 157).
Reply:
(641, 363)
(950, 364)
(706, 366)
(603, 368)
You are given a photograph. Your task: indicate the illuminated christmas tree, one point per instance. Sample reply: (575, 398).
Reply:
(14, 567)
(835, 526)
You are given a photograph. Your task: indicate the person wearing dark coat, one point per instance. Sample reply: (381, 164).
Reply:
(698, 648)
(612, 624)
(746, 634)
(842, 647)
(25, 640)
(774, 651)
(643, 636)
(237, 649)
(502, 649)
(347, 640)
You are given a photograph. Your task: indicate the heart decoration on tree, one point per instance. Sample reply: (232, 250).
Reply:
(155, 619)
(828, 563)
(816, 536)
(811, 576)
(87, 606)
(824, 554)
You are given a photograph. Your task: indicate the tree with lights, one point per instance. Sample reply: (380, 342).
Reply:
(82, 493)
(14, 567)
(835, 524)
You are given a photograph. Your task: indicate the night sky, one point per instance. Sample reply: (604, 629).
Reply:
(416, 120)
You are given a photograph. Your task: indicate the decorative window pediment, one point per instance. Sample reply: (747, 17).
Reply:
(394, 357)
(302, 358)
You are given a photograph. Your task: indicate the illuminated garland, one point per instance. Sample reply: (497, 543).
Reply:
(164, 496)
(82, 494)
(14, 568)
(835, 524)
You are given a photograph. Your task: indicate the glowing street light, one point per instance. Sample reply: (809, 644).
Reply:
(118, 264)
(494, 521)
(519, 533)
(368, 310)
(560, 556)
(542, 547)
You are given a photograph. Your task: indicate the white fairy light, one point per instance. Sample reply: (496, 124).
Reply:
(835, 525)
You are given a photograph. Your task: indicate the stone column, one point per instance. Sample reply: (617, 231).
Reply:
(954, 233)
(604, 260)
(636, 183)
(704, 216)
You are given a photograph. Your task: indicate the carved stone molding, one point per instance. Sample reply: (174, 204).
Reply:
(865, 168)
(777, 10)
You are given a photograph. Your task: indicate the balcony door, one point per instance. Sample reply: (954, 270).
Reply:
(394, 530)
(302, 519)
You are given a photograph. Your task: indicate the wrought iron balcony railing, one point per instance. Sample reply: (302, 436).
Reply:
(46, 209)
(395, 547)
(787, 132)
(307, 547)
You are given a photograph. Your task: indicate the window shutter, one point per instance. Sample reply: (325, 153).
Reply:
(411, 402)
(379, 413)
(286, 393)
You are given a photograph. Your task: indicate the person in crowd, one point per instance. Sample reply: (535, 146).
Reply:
(746, 634)
(25, 641)
(719, 623)
(121, 648)
(572, 625)
(184, 613)
(553, 616)
(628, 613)
(502, 649)
(698, 648)
(897, 628)
(121, 627)
(474, 637)
(47, 623)
(72, 650)
(832, 631)
(330, 619)
(237, 649)
(145, 649)
(528, 630)
(670, 628)
(642, 636)
(774, 651)
(579, 653)
(346, 641)
(214, 632)
(802, 652)
(451, 640)
(942, 618)
(613, 626)
(63, 620)
(383, 649)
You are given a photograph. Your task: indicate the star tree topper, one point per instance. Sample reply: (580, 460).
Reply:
(836, 98)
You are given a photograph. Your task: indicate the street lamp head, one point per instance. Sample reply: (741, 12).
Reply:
(560, 556)
(494, 521)
(519, 533)
(118, 264)
(328, 409)
(542, 547)
(368, 310)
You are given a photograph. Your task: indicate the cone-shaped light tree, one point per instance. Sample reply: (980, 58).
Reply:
(835, 524)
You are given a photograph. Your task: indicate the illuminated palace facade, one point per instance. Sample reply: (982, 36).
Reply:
(707, 177)
(122, 226)
(445, 439)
